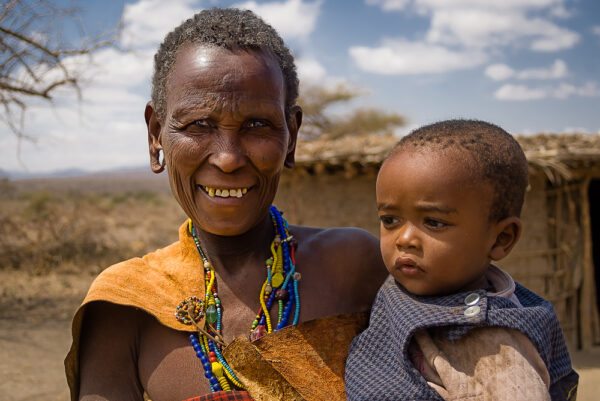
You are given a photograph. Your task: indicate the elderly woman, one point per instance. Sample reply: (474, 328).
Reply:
(223, 113)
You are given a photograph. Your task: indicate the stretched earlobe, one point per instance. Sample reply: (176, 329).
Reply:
(508, 232)
(156, 164)
(154, 139)
(294, 122)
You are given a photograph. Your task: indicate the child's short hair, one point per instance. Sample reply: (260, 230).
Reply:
(496, 157)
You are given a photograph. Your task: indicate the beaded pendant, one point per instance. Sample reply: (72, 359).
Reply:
(281, 285)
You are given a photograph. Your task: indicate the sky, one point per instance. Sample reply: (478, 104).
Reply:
(527, 65)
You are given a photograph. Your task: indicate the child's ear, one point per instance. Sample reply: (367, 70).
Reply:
(508, 232)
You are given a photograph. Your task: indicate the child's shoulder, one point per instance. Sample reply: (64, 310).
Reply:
(528, 297)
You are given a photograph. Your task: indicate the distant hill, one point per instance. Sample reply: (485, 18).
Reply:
(118, 180)
(70, 172)
(18, 175)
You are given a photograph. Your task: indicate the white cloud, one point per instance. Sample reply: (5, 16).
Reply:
(475, 27)
(556, 71)
(389, 5)
(498, 5)
(122, 69)
(560, 91)
(519, 92)
(501, 72)
(487, 27)
(310, 71)
(292, 19)
(404, 57)
(564, 90)
(596, 30)
(559, 11)
(146, 22)
(549, 37)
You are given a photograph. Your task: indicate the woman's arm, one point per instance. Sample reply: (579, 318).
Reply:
(109, 353)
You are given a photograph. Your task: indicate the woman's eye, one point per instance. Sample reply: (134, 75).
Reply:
(256, 124)
(435, 224)
(388, 220)
(201, 123)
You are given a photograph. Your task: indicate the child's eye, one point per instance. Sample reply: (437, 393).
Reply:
(435, 224)
(388, 220)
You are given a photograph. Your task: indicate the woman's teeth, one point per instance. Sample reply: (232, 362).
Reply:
(225, 193)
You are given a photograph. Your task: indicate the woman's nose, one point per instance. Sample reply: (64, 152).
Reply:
(407, 236)
(228, 154)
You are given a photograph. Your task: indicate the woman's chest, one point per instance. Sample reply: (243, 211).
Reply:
(168, 367)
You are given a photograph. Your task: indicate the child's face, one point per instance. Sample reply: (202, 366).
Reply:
(436, 236)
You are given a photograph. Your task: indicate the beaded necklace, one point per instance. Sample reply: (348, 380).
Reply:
(281, 285)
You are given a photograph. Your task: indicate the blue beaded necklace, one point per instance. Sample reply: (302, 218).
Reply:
(281, 285)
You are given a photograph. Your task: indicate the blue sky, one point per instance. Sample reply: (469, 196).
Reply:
(528, 65)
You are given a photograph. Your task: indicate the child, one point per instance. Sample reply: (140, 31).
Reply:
(447, 324)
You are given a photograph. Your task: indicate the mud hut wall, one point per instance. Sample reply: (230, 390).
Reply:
(547, 258)
(329, 200)
(529, 263)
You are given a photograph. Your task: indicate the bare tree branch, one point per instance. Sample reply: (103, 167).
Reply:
(35, 58)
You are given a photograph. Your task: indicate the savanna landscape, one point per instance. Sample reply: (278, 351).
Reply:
(56, 234)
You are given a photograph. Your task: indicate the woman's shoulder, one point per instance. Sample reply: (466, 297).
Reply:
(335, 236)
(349, 246)
(348, 259)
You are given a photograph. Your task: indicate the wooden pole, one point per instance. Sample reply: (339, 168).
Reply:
(588, 311)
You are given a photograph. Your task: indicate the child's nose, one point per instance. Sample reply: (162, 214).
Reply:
(407, 236)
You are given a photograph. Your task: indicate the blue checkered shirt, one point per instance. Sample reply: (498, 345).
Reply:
(378, 366)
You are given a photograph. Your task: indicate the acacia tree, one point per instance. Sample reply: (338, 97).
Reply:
(319, 122)
(36, 59)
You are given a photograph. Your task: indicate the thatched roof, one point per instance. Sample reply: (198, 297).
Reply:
(562, 153)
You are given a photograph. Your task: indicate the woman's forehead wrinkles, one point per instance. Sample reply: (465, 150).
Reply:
(194, 98)
(235, 100)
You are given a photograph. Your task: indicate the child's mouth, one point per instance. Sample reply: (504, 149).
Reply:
(407, 266)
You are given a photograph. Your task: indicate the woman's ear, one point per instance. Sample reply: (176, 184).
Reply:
(508, 232)
(294, 122)
(154, 139)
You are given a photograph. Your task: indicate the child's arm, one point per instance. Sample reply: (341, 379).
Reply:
(489, 363)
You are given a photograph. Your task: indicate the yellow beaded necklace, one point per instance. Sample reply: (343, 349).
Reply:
(281, 285)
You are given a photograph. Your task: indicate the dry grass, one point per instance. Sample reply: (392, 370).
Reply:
(54, 228)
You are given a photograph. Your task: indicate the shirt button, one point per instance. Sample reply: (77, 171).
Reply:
(472, 311)
(472, 299)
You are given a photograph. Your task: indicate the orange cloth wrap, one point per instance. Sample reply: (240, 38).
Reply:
(155, 283)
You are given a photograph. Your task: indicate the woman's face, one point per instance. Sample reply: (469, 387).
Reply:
(225, 136)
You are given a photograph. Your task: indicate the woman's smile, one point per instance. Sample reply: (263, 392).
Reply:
(224, 192)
